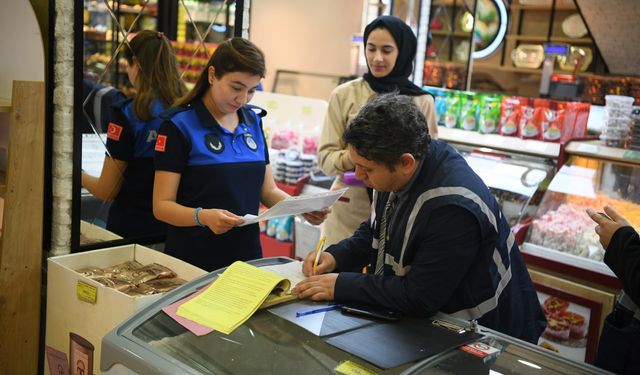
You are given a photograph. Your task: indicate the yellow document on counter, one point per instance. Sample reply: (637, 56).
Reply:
(234, 297)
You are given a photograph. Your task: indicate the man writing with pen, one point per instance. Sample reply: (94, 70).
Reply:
(436, 240)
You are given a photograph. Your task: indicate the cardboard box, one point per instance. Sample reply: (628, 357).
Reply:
(68, 313)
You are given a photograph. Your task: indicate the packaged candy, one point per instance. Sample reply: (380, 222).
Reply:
(582, 117)
(551, 128)
(509, 116)
(440, 100)
(155, 287)
(453, 111)
(284, 229)
(284, 139)
(489, 113)
(116, 284)
(527, 125)
(271, 226)
(158, 271)
(469, 104)
(309, 146)
(92, 272)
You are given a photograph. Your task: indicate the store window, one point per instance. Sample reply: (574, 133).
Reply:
(194, 27)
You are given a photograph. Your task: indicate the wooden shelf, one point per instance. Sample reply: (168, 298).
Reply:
(515, 69)
(517, 6)
(455, 34)
(563, 39)
(446, 3)
(553, 39)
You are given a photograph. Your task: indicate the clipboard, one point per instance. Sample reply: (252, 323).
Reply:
(393, 344)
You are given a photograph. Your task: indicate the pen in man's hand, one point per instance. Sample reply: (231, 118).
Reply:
(317, 310)
(319, 249)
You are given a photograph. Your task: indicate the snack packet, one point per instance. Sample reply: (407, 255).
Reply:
(489, 113)
(469, 104)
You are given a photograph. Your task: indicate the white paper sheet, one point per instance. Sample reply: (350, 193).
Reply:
(296, 205)
(291, 271)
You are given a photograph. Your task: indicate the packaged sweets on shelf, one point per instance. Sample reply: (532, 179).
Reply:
(509, 116)
(469, 105)
(489, 113)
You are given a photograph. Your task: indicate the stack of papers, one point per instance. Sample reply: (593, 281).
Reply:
(236, 295)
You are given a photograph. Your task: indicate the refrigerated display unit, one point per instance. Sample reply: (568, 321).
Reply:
(561, 236)
(150, 342)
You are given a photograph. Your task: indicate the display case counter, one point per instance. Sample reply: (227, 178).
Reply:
(562, 236)
(150, 342)
(515, 170)
(513, 182)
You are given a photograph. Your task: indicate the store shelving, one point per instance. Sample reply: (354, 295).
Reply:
(499, 142)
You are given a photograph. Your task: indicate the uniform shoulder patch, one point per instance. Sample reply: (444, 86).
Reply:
(114, 131)
(161, 143)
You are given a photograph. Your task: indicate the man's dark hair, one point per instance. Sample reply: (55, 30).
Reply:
(386, 127)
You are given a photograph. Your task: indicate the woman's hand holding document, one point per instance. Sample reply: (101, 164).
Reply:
(296, 205)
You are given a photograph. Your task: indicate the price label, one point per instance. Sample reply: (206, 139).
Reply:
(86, 292)
(479, 349)
(352, 368)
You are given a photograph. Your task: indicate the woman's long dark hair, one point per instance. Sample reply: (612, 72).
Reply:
(158, 75)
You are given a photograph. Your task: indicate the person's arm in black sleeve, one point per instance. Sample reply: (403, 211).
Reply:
(623, 257)
(444, 254)
(354, 252)
(120, 144)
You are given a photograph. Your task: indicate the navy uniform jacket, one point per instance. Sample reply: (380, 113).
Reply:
(218, 169)
(623, 257)
(430, 263)
(132, 140)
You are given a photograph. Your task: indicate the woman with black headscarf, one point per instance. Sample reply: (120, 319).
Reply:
(390, 48)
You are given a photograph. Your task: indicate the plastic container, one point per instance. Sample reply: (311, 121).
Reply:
(618, 106)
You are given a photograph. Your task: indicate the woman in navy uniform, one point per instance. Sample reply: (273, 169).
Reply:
(127, 171)
(212, 163)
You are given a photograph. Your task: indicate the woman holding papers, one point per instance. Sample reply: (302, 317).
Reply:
(390, 48)
(212, 163)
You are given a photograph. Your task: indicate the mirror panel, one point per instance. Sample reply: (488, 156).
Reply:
(108, 26)
(447, 54)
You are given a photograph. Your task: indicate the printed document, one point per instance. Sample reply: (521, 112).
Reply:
(233, 297)
(296, 205)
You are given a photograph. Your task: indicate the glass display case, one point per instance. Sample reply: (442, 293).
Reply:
(516, 181)
(593, 177)
(150, 342)
(496, 354)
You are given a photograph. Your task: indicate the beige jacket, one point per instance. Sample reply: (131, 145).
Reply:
(333, 157)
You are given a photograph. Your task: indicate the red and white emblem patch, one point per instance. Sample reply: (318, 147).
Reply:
(114, 131)
(161, 143)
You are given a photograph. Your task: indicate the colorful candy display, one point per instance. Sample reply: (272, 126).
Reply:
(527, 118)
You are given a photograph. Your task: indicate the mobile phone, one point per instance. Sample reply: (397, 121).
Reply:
(371, 313)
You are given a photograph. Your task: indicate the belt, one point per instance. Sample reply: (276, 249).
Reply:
(627, 303)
